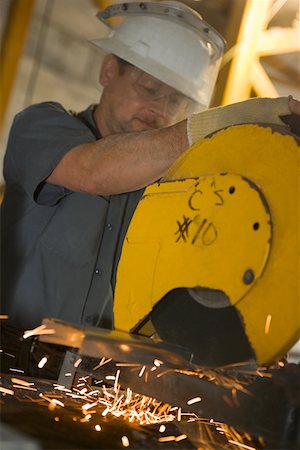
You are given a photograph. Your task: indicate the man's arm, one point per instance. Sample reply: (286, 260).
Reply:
(121, 162)
(126, 162)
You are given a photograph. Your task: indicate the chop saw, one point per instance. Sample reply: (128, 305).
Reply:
(209, 277)
(211, 256)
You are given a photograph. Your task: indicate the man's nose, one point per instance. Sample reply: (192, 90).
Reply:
(160, 106)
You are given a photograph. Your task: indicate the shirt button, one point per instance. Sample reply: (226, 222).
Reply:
(110, 227)
(98, 271)
(92, 319)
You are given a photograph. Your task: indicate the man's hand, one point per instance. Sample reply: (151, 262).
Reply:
(282, 111)
(293, 119)
(294, 106)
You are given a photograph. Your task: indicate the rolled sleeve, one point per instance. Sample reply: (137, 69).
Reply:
(40, 136)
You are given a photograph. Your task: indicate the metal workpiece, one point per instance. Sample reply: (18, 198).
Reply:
(118, 345)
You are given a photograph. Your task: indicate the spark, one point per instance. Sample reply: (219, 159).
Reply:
(83, 391)
(42, 362)
(179, 415)
(263, 374)
(241, 445)
(57, 402)
(162, 428)
(102, 363)
(88, 406)
(19, 386)
(157, 362)
(167, 439)
(180, 438)
(6, 391)
(125, 441)
(53, 402)
(16, 370)
(127, 365)
(142, 371)
(194, 400)
(21, 382)
(281, 363)
(3, 316)
(268, 323)
(56, 418)
(116, 380)
(76, 363)
(97, 427)
(42, 329)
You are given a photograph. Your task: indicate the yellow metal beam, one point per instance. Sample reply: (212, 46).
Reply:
(253, 24)
(13, 40)
(279, 40)
(261, 82)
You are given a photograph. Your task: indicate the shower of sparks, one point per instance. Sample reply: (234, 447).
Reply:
(223, 378)
(268, 323)
(134, 408)
(101, 400)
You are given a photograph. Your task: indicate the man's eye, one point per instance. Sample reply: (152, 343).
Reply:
(150, 91)
(175, 100)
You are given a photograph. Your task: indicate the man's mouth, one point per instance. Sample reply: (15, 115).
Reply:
(146, 124)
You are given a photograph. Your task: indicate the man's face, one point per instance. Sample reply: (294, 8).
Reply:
(132, 100)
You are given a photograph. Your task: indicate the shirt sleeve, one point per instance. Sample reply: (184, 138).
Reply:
(40, 136)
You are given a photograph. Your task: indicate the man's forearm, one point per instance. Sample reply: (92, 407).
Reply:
(121, 162)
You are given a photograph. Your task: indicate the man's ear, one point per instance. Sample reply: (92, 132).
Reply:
(109, 70)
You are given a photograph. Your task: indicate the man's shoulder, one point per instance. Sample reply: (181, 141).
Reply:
(43, 107)
(44, 115)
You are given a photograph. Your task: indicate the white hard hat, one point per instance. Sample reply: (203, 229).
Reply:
(169, 41)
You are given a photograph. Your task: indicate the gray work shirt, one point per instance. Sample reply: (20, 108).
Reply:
(60, 249)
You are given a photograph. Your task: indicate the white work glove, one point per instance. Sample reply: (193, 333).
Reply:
(254, 110)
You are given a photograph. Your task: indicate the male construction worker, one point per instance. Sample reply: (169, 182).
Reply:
(73, 181)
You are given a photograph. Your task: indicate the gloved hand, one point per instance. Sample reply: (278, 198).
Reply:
(254, 110)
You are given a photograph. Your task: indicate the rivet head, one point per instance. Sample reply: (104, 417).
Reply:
(248, 276)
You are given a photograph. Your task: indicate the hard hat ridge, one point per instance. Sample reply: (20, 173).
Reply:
(168, 40)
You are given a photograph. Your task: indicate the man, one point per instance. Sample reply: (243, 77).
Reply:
(73, 180)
